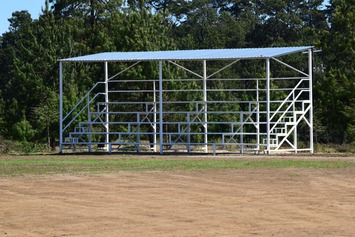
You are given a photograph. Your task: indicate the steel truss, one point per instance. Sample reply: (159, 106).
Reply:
(203, 112)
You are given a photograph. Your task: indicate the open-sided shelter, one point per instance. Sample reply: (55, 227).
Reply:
(206, 107)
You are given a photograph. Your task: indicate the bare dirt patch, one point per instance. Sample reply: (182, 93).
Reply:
(242, 202)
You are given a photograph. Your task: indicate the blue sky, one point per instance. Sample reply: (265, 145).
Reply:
(32, 6)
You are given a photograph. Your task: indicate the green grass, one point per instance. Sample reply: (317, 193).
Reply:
(89, 164)
(334, 148)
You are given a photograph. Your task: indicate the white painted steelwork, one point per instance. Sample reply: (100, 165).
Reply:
(310, 78)
(203, 112)
(161, 128)
(189, 55)
(60, 106)
(268, 143)
(107, 109)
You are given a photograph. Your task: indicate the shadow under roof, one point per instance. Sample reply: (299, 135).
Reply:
(189, 55)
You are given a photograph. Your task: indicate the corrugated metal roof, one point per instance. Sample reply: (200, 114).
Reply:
(189, 55)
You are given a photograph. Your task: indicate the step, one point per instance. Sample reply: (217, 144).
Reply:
(278, 134)
(288, 119)
(81, 129)
(299, 112)
(84, 124)
(278, 131)
(273, 142)
(71, 140)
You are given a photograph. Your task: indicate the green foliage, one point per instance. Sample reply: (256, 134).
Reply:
(31, 77)
(22, 131)
(335, 148)
(335, 93)
(30, 49)
(21, 147)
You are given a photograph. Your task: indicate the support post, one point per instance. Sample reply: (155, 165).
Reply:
(161, 106)
(89, 124)
(60, 107)
(138, 131)
(205, 120)
(294, 119)
(107, 108)
(188, 134)
(310, 71)
(257, 116)
(268, 105)
(241, 138)
(155, 117)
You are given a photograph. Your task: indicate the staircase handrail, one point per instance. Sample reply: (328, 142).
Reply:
(289, 95)
(289, 132)
(288, 108)
(80, 101)
(89, 102)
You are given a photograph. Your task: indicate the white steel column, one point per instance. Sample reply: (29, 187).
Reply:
(155, 117)
(138, 132)
(241, 137)
(294, 117)
(205, 104)
(161, 106)
(310, 71)
(188, 120)
(257, 116)
(106, 107)
(268, 105)
(60, 107)
(89, 123)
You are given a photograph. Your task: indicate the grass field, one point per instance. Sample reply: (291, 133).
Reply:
(101, 164)
(151, 195)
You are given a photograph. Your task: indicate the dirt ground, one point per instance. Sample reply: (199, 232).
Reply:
(244, 202)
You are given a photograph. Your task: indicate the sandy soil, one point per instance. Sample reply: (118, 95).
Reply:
(246, 202)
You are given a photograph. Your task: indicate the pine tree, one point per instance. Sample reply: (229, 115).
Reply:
(336, 91)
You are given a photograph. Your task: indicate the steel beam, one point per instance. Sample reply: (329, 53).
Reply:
(60, 107)
(310, 72)
(161, 106)
(205, 119)
(106, 107)
(155, 117)
(268, 105)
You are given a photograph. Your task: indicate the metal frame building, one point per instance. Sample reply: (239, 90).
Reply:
(203, 112)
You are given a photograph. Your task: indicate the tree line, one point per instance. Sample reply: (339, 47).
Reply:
(29, 51)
